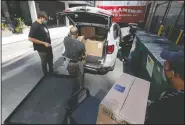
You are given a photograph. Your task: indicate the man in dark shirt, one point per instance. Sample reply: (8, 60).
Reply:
(39, 35)
(75, 51)
(169, 107)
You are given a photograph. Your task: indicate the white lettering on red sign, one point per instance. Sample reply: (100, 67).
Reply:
(125, 10)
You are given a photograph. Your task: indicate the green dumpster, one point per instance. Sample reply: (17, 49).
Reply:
(139, 55)
(147, 63)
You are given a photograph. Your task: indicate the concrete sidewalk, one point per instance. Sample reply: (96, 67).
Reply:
(54, 33)
(18, 45)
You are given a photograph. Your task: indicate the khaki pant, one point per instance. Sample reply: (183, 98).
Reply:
(75, 69)
(46, 59)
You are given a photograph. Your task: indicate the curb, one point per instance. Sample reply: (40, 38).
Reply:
(20, 54)
(17, 55)
(9, 40)
(23, 37)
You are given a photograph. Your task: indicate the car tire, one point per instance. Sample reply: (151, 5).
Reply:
(113, 67)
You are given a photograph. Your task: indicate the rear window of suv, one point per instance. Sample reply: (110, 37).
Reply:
(89, 18)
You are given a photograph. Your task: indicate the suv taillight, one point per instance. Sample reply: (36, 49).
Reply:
(110, 49)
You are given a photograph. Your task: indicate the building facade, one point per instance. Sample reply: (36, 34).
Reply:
(28, 10)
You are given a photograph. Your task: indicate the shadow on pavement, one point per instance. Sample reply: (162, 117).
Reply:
(127, 67)
(8, 66)
(24, 59)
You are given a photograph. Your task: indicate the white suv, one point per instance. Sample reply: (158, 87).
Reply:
(100, 19)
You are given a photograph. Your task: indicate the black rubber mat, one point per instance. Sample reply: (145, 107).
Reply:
(87, 112)
(45, 104)
(100, 95)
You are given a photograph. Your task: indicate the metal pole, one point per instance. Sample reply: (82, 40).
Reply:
(157, 7)
(57, 22)
(163, 19)
(166, 12)
(160, 30)
(179, 15)
(150, 15)
(147, 16)
(154, 13)
(154, 5)
(179, 37)
(33, 11)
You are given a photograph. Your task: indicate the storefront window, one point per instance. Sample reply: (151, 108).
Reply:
(157, 19)
(170, 19)
(180, 23)
(174, 20)
(173, 13)
(51, 12)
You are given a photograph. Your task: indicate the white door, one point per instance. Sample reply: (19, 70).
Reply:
(116, 37)
(114, 41)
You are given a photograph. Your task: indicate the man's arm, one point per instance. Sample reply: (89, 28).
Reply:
(36, 41)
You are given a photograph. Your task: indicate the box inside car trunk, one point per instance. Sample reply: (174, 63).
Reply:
(94, 44)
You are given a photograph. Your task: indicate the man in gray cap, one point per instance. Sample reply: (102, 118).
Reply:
(169, 107)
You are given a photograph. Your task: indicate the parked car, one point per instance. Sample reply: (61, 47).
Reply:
(105, 31)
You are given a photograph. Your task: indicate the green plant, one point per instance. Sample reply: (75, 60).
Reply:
(20, 24)
(3, 26)
(18, 30)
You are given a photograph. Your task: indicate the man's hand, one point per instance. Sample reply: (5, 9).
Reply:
(47, 44)
(83, 59)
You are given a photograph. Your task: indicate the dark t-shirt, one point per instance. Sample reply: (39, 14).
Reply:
(74, 49)
(40, 32)
(167, 109)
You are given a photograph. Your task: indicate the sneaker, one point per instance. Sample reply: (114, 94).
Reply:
(53, 72)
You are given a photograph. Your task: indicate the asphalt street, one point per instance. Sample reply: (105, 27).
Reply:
(20, 75)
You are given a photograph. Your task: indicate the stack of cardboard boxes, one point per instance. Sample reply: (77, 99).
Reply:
(93, 47)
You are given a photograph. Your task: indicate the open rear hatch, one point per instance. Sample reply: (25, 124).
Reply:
(93, 24)
(90, 16)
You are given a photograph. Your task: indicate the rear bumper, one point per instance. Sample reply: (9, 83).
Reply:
(90, 69)
(96, 68)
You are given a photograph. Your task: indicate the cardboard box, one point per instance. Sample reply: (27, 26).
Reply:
(126, 102)
(88, 32)
(93, 47)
